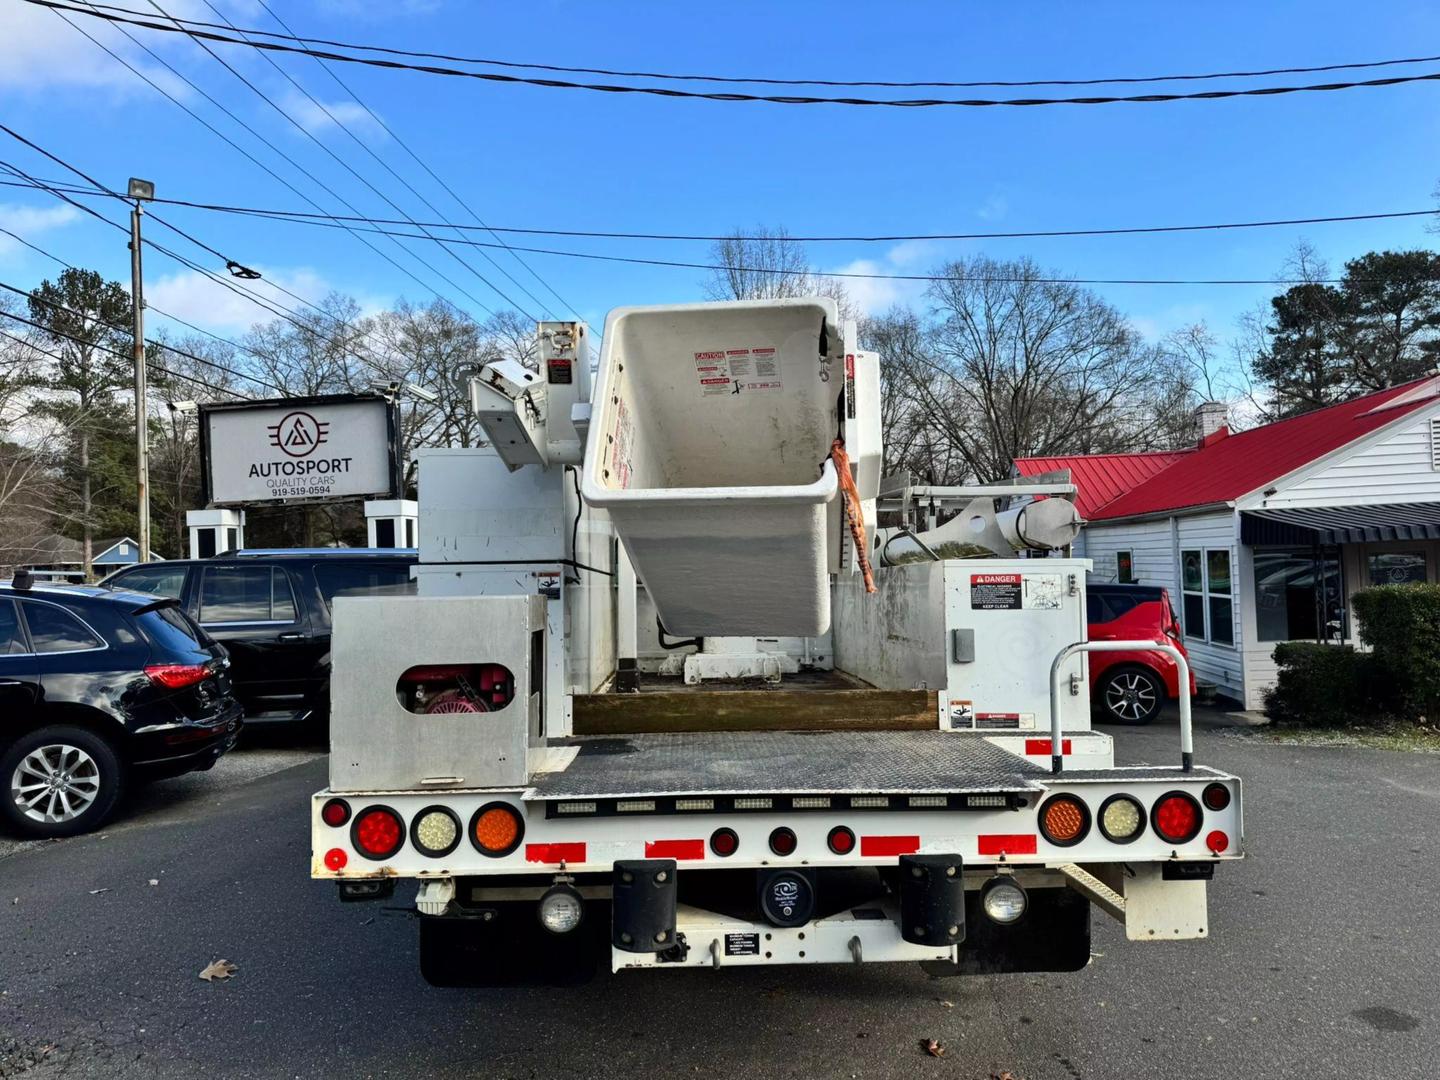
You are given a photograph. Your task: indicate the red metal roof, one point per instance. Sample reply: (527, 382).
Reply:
(1226, 468)
(1101, 478)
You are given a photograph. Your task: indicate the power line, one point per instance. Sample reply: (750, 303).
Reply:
(768, 81)
(113, 352)
(593, 234)
(776, 99)
(433, 175)
(226, 139)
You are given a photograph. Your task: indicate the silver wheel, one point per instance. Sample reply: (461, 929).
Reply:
(1130, 695)
(55, 783)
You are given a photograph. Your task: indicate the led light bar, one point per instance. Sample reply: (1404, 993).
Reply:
(811, 802)
(635, 806)
(694, 804)
(750, 802)
(575, 808)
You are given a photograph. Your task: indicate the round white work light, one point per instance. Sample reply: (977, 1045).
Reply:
(561, 909)
(1004, 901)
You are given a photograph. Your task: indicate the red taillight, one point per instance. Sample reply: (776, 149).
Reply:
(177, 676)
(335, 859)
(724, 842)
(782, 841)
(1176, 817)
(335, 812)
(377, 832)
(1216, 796)
(1217, 841)
(841, 840)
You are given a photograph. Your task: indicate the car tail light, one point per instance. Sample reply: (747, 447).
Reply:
(1064, 820)
(1121, 819)
(1176, 817)
(841, 840)
(377, 832)
(1216, 796)
(724, 842)
(435, 831)
(177, 676)
(782, 841)
(496, 829)
(335, 812)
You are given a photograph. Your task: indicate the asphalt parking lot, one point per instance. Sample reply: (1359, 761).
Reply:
(1324, 959)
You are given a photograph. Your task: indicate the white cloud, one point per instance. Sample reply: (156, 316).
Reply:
(994, 208)
(198, 299)
(29, 222)
(318, 115)
(875, 296)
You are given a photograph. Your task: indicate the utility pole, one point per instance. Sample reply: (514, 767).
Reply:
(140, 190)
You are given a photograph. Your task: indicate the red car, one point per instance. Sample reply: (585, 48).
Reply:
(1131, 687)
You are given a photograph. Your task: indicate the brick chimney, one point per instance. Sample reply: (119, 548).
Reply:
(1211, 417)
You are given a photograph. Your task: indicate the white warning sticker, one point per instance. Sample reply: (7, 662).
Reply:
(738, 371)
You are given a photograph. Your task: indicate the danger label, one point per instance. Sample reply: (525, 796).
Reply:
(995, 592)
(738, 371)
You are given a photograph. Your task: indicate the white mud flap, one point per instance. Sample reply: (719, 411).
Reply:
(1159, 910)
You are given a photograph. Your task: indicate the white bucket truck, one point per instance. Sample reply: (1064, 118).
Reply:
(665, 696)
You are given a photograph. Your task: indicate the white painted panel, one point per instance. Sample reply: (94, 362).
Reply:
(1394, 465)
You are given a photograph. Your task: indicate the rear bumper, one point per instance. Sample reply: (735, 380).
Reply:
(184, 746)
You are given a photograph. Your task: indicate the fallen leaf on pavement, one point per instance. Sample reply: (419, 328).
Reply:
(97, 892)
(946, 1004)
(932, 1047)
(218, 969)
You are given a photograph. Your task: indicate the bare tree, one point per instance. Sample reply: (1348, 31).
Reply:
(1018, 364)
(765, 264)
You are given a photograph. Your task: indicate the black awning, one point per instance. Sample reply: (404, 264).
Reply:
(1341, 524)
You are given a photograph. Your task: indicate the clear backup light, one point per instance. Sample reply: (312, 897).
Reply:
(1003, 901)
(1121, 819)
(561, 909)
(435, 831)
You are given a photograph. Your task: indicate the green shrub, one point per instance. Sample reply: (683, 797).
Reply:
(1320, 686)
(1401, 625)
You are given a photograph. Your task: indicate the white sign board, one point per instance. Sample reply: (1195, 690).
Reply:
(299, 450)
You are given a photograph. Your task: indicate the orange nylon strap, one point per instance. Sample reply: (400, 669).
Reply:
(854, 511)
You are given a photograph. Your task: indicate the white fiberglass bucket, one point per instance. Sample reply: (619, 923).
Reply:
(709, 447)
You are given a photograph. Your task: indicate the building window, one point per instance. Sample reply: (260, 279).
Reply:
(1397, 568)
(1192, 589)
(1125, 568)
(1205, 590)
(1299, 594)
(1217, 587)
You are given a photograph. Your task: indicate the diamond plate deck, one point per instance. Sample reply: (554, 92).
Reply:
(787, 762)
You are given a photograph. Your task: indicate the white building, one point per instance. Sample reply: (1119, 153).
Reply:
(1263, 536)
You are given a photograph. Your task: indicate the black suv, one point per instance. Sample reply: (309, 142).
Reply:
(271, 610)
(99, 687)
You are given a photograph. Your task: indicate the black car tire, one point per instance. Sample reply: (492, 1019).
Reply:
(97, 761)
(1130, 695)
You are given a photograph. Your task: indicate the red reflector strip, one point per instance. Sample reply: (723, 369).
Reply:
(555, 853)
(1002, 844)
(889, 845)
(674, 849)
(1041, 747)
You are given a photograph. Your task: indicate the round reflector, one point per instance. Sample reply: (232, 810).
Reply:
(724, 842)
(496, 829)
(1176, 817)
(561, 909)
(1121, 819)
(435, 831)
(1216, 796)
(335, 859)
(1064, 820)
(335, 812)
(841, 840)
(1217, 841)
(1003, 901)
(782, 841)
(377, 832)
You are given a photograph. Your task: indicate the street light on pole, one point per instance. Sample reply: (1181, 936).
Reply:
(140, 190)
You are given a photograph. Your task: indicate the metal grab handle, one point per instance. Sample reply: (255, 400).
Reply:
(1187, 742)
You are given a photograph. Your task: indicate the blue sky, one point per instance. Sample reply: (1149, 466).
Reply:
(541, 157)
